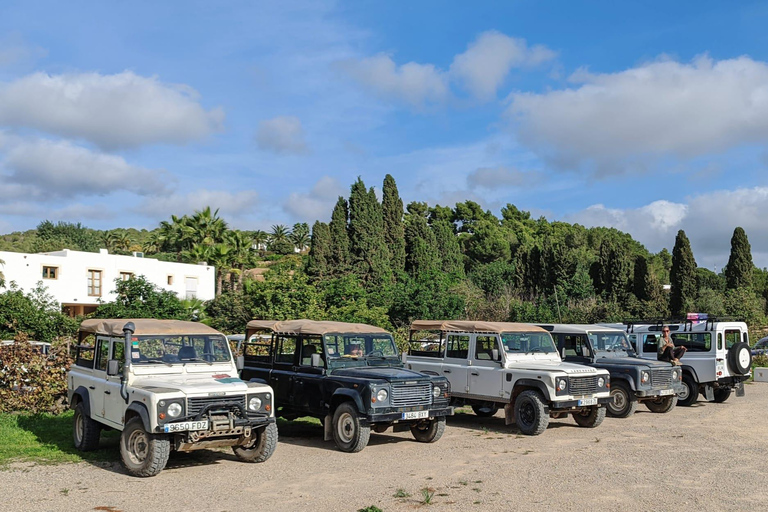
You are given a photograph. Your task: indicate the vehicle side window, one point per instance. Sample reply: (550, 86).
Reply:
(285, 349)
(85, 352)
(576, 345)
(719, 341)
(458, 346)
(310, 346)
(745, 338)
(694, 342)
(484, 346)
(650, 343)
(118, 352)
(103, 355)
(258, 348)
(732, 336)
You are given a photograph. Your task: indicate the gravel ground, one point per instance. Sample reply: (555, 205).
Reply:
(706, 457)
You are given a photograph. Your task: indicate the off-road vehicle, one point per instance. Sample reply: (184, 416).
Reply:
(167, 385)
(718, 359)
(633, 380)
(347, 375)
(516, 366)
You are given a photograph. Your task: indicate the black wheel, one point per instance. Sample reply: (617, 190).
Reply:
(429, 431)
(485, 410)
(86, 431)
(349, 435)
(722, 394)
(590, 417)
(662, 404)
(740, 358)
(261, 447)
(624, 403)
(143, 454)
(690, 391)
(530, 414)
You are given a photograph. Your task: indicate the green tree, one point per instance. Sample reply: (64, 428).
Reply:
(318, 264)
(2, 276)
(421, 247)
(339, 230)
(394, 232)
(300, 236)
(738, 272)
(682, 275)
(488, 242)
(366, 238)
(138, 298)
(452, 260)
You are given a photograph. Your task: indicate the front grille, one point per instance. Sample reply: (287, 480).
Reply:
(661, 378)
(583, 385)
(221, 403)
(411, 395)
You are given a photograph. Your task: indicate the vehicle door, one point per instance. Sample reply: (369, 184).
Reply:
(101, 393)
(114, 405)
(257, 358)
(283, 368)
(307, 381)
(702, 353)
(456, 361)
(576, 348)
(485, 375)
(732, 336)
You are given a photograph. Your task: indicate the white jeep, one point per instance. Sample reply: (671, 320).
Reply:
(167, 385)
(718, 358)
(516, 366)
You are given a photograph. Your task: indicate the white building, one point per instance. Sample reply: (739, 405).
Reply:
(79, 280)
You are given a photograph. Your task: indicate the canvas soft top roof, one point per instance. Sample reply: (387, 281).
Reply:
(144, 326)
(472, 326)
(315, 327)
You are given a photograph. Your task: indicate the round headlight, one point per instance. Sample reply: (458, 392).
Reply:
(382, 395)
(436, 391)
(601, 382)
(254, 403)
(645, 377)
(674, 375)
(174, 409)
(562, 384)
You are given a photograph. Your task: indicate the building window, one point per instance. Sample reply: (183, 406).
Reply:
(191, 286)
(50, 272)
(94, 283)
(170, 280)
(124, 276)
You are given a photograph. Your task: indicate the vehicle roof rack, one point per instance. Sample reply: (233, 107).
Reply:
(686, 322)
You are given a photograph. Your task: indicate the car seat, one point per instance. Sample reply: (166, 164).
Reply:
(187, 352)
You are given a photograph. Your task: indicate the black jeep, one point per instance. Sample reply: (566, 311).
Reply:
(347, 375)
(633, 380)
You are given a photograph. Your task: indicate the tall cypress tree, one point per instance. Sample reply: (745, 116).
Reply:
(339, 257)
(682, 275)
(640, 278)
(422, 255)
(319, 251)
(394, 233)
(738, 273)
(452, 260)
(367, 248)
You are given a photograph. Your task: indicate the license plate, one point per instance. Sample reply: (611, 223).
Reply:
(664, 392)
(588, 401)
(415, 415)
(186, 425)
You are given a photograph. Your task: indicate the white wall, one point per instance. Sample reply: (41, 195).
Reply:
(71, 283)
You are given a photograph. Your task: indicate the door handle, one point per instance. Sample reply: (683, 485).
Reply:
(108, 392)
(91, 387)
(475, 373)
(446, 371)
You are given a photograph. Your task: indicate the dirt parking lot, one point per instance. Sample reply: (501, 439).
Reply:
(706, 457)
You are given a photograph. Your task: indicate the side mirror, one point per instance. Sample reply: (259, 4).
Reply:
(113, 367)
(495, 354)
(239, 362)
(315, 361)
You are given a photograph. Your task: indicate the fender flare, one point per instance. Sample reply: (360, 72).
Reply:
(345, 394)
(142, 412)
(534, 384)
(260, 381)
(630, 382)
(689, 369)
(85, 398)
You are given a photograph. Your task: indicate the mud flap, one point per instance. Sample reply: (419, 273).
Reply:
(327, 428)
(740, 388)
(709, 392)
(509, 414)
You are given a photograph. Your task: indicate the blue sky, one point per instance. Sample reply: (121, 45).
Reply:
(650, 117)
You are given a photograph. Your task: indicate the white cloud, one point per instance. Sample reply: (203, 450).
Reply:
(282, 134)
(45, 168)
(417, 84)
(489, 59)
(318, 203)
(707, 219)
(228, 203)
(492, 178)
(659, 109)
(112, 111)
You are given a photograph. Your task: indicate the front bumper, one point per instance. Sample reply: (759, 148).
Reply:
(570, 404)
(390, 415)
(655, 393)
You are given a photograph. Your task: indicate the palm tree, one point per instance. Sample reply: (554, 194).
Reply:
(123, 241)
(260, 239)
(109, 239)
(241, 254)
(300, 236)
(209, 228)
(279, 233)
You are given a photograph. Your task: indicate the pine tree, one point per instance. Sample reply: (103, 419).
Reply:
(339, 238)
(367, 248)
(319, 251)
(394, 232)
(640, 278)
(422, 255)
(452, 260)
(738, 273)
(682, 275)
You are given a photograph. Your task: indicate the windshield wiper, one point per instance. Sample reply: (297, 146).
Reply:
(197, 359)
(158, 361)
(534, 350)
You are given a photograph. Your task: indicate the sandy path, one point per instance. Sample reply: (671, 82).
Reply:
(706, 457)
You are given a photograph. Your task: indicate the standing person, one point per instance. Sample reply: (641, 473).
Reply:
(667, 350)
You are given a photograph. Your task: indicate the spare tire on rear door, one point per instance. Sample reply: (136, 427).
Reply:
(740, 358)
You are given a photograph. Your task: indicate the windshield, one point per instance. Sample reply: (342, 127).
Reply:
(525, 342)
(610, 343)
(172, 350)
(356, 347)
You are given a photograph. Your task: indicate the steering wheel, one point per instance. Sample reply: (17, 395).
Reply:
(376, 353)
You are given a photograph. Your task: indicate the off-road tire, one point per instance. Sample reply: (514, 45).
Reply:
(662, 405)
(432, 432)
(623, 404)
(85, 430)
(261, 447)
(348, 433)
(740, 358)
(722, 394)
(693, 391)
(591, 417)
(143, 454)
(531, 415)
(484, 411)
